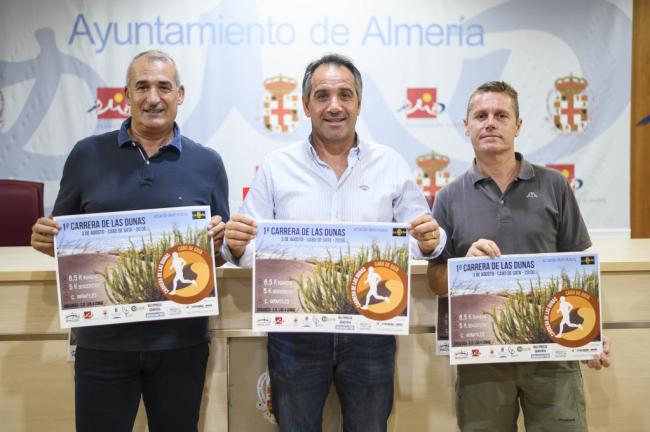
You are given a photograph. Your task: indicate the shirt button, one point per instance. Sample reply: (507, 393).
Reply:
(502, 202)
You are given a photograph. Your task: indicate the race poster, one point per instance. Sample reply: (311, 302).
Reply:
(516, 308)
(133, 266)
(336, 278)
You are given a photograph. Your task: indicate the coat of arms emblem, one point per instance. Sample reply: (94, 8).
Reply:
(280, 104)
(570, 104)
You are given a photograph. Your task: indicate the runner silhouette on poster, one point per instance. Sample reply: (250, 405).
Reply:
(373, 280)
(178, 264)
(565, 309)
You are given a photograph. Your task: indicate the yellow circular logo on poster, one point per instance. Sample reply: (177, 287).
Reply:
(571, 318)
(185, 274)
(379, 290)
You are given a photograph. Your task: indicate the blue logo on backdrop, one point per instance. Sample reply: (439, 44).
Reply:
(611, 78)
(46, 69)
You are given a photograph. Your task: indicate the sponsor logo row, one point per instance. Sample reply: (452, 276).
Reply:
(127, 312)
(338, 322)
(568, 104)
(533, 352)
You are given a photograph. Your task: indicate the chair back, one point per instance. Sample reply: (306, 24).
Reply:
(23, 204)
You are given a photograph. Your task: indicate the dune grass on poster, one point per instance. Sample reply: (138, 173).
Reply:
(325, 290)
(519, 321)
(133, 278)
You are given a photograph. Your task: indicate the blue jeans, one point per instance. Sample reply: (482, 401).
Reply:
(109, 384)
(302, 366)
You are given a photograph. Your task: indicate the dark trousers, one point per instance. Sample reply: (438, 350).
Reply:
(109, 384)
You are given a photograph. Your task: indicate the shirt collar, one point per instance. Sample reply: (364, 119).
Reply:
(355, 152)
(123, 137)
(526, 171)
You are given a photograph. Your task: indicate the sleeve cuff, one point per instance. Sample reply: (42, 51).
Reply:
(417, 254)
(244, 261)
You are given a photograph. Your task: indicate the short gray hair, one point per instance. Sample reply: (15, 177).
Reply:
(155, 55)
(327, 59)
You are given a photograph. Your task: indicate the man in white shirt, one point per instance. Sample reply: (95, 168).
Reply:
(333, 176)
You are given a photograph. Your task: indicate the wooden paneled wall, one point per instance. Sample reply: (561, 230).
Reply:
(640, 134)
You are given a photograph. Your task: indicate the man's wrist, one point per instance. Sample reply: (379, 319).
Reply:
(425, 250)
(236, 253)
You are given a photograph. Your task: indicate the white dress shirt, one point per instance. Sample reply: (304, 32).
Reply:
(293, 183)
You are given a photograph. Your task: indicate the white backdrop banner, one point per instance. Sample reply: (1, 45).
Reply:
(63, 65)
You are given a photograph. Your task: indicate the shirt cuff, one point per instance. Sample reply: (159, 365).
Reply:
(417, 254)
(244, 261)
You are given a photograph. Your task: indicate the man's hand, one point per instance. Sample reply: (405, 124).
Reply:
(426, 231)
(603, 360)
(483, 247)
(43, 233)
(216, 231)
(240, 230)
